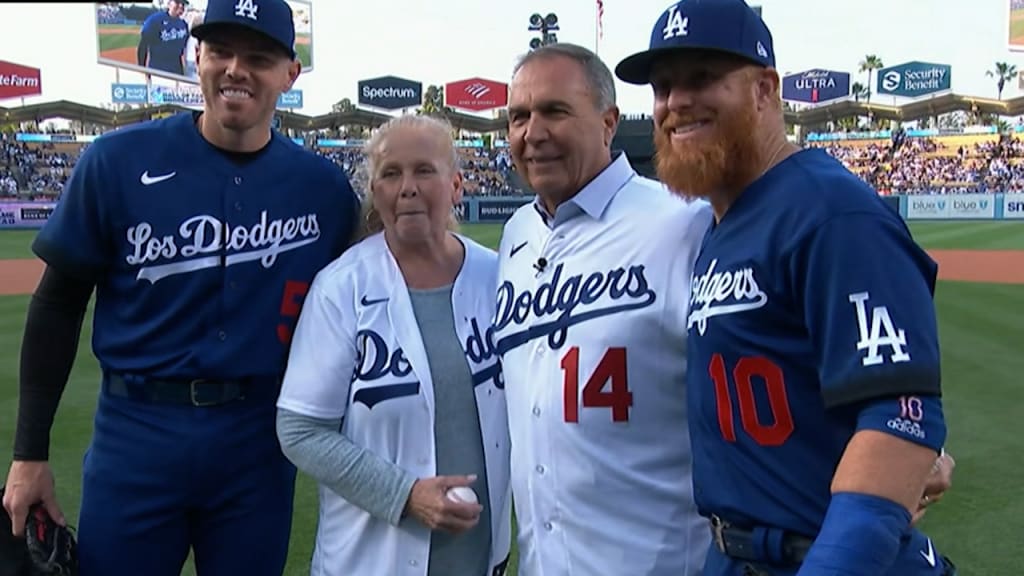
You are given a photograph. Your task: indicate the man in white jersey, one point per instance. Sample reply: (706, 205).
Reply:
(590, 322)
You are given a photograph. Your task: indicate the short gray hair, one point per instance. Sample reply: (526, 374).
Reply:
(598, 76)
(442, 129)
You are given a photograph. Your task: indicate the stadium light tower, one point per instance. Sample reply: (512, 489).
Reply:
(546, 25)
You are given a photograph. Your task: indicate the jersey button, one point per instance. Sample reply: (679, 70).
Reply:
(238, 180)
(536, 411)
(413, 563)
(222, 335)
(540, 469)
(548, 526)
(238, 206)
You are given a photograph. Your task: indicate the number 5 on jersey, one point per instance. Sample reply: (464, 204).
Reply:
(610, 373)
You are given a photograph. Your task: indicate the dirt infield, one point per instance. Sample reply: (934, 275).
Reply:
(20, 276)
(987, 266)
(127, 54)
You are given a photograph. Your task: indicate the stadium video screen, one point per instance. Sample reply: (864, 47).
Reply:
(153, 37)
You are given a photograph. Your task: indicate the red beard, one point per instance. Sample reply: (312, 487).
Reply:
(711, 163)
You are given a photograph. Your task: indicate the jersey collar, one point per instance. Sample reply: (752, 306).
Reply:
(595, 196)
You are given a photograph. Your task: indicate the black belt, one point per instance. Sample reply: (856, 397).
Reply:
(739, 543)
(198, 392)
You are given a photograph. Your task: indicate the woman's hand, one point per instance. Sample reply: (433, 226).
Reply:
(428, 503)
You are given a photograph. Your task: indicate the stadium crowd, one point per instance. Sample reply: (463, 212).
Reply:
(903, 165)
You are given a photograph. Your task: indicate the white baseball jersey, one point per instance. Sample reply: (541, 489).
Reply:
(358, 354)
(591, 325)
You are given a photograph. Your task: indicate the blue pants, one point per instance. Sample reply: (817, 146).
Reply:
(159, 480)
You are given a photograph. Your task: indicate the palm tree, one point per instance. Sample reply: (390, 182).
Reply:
(859, 91)
(1003, 73)
(847, 124)
(869, 64)
(433, 103)
(343, 105)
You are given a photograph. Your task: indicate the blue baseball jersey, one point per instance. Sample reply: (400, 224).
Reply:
(165, 36)
(809, 300)
(201, 261)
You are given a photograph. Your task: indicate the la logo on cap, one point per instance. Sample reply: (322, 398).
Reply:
(676, 25)
(246, 9)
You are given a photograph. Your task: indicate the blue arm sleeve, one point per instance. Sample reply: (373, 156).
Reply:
(77, 237)
(866, 290)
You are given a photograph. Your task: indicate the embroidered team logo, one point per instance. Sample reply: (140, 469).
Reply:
(676, 24)
(246, 9)
(720, 293)
(566, 300)
(877, 332)
(202, 239)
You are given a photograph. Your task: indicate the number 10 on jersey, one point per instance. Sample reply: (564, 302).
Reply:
(609, 373)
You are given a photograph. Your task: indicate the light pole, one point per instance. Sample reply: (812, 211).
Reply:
(546, 25)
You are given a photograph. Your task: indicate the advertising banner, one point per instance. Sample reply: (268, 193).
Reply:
(951, 206)
(498, 209)
(390, 93)
(183, 95)
(17, 81)
(129, 94)
(1013, 206)
(25, 214)
(154, 37)
(186, 95)
(813, 86)
(476, 94)
(913, 79)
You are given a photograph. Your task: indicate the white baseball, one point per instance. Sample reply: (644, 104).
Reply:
(462, 494)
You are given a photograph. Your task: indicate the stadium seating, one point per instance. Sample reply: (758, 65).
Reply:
(957, 163)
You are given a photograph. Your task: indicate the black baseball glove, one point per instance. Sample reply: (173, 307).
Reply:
(47, 549)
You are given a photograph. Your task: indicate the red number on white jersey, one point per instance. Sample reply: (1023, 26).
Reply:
(611, 370)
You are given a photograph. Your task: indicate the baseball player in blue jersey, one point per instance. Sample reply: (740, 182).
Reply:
(200, 234)
(162, 39)
(813, 359)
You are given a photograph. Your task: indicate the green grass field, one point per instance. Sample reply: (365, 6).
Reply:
(978, 524)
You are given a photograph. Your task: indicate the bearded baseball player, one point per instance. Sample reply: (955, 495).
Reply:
(200, 234)
(590, 323)
(813, 378)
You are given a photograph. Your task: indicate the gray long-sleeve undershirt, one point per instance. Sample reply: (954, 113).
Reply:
(353, 472)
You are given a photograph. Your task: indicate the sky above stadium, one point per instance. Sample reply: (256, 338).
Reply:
(442, 41)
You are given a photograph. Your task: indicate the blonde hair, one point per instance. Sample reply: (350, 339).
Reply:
(370, 221)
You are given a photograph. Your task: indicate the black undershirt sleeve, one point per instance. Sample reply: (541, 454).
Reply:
(48, 349)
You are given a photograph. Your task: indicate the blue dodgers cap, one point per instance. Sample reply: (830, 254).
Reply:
(272, 18)
(729, 26)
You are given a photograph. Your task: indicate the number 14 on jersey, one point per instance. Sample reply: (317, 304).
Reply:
(607, 387)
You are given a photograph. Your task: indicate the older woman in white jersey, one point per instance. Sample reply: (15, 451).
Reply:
(394, 394)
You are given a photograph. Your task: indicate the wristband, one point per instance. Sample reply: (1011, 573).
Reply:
(859, 537)
(917, 419)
